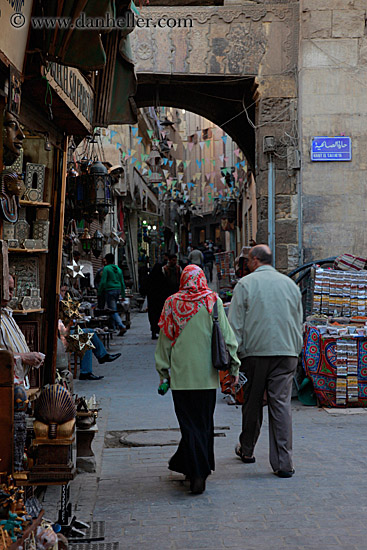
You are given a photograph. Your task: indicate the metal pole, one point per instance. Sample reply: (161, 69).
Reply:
(271, 206)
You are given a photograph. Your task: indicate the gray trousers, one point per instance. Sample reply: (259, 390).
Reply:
(275, 375)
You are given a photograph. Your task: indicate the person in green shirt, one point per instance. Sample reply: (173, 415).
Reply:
(183, 355)
(112, 285)
(266, 317)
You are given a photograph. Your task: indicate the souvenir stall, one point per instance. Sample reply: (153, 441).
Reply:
(335, 344)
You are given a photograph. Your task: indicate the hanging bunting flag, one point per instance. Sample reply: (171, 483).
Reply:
(145, 171)
(123, 155)
(139, 139)
(165, 161)
(208, 143)
(150, 133)
(144, 157)
(134, 130)
(180, 176)
(170, 143)
(203, 161)
(150, 173)
(221, 158)
(213, 161)
(166, 173)
(138, 165)
(211, 185)
(190, 184)
(133, 159)
(170, 162)
(202, 143)
(207, 176)
(237, 165)
(198, 162)
(113, 133)
(224, 171)
(190, 146)
(224, 138)
(118, 145)
(210, 197)
(223, 180)
(188, 162)
(237, 152)
(175, 145)
(243, 163)
(226, 159)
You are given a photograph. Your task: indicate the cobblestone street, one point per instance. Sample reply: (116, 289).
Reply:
(245, 506)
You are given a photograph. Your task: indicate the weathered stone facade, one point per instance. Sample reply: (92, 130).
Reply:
(254, 40)
(333, 82)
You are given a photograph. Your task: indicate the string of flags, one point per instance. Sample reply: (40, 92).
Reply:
(205, 176)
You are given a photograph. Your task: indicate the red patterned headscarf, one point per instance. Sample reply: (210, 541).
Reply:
(178, 309)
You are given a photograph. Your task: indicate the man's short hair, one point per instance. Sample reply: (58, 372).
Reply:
(172, 256)
(262, 255)
(110, 258)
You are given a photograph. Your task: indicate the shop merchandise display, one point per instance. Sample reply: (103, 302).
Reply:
(335, 348)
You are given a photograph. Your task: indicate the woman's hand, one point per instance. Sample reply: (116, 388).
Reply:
(234, 380)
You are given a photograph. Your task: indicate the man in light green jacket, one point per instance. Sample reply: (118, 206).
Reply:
(266, 317)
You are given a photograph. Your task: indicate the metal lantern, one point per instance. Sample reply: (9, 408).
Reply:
(86, 240)
(99, 188)
(97, 243)
(154, 162)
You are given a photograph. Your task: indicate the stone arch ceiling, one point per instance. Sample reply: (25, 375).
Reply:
(214, 65)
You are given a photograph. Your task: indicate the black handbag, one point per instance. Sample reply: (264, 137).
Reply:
(221, 358)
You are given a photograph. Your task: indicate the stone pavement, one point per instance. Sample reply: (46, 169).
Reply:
(245, 506)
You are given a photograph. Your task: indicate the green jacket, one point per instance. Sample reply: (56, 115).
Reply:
(189, 361)
(112, 279)
(266, 314)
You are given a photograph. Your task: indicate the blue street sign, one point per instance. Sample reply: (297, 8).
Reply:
(331, 148)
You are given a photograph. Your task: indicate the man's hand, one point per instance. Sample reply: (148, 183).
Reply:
(32, 359)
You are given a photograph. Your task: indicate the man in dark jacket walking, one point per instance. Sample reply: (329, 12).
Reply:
(113, 284)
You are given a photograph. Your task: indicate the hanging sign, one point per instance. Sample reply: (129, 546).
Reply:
(73, 89)
(337, 148)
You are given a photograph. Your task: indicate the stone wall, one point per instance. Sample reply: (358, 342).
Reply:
(333, 82)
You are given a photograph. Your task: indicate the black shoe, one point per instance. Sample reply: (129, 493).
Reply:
(197, 485)
(89, 376)
(122, 331)
(284, 473)
(245, 459)
(108, 358)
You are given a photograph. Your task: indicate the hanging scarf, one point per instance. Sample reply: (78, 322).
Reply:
(179, 308)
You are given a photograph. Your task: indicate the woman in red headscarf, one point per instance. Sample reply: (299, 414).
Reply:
(183, 355)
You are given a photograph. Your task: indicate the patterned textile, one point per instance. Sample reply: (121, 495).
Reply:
(319, 363)
(348, 262)
(178, 309)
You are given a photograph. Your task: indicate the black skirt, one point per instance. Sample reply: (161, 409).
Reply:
(195, 414)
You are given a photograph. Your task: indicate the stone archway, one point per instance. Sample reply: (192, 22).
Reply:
(217, 61)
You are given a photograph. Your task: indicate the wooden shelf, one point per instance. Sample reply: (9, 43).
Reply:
(29, 250)
(35, 203)
(26, 311)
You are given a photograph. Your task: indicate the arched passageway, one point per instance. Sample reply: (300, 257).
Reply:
(223, 101)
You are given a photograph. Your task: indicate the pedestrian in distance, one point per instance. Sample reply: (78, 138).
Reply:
(183, 355)
(209, 260)
(113, 285)
(196, 257)
(266, 316)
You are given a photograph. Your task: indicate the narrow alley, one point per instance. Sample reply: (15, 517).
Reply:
(146, 506)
